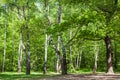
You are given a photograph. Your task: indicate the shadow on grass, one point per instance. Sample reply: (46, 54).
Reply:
(23, 76)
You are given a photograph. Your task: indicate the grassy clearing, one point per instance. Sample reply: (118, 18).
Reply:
(40, 76)
(23, 76)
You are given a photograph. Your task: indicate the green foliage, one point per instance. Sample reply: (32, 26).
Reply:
(93, 19)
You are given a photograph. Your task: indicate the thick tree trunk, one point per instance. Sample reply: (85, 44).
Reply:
(28, 51)
(64, 63)
(109, 55)
(25, 15)
(28, 55)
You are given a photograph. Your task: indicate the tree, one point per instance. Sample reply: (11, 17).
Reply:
(5, 27)
(46, 35)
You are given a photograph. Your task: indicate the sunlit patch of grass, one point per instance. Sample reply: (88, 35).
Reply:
(23, 76)
(82, 71)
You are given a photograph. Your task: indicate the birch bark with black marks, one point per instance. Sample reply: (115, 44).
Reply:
(64, 64)
(58, 45)
(56, 50)
(46, 35)
(57, 56)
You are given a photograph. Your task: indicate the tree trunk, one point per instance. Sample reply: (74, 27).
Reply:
(57, 53)
(25, 15)
(28, 53)
(64, 63)
(80, 57)
(20, 53)
(46, 41)
(4, 54)
(45, 56)
(71, 60)
(57, 56)
(13, 47)
(96, 50)
(57, 63)
(109, 55)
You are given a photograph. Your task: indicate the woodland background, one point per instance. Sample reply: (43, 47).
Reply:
(59, 36)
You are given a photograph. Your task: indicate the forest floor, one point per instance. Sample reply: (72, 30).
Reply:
(40, 76)
(85, 77)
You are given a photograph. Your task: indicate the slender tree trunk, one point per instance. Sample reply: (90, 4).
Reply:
(70, 46)
(45, 56)
(19, 60)
(77, 61)
(57, 64)
(13, 46)
(96, 50)
(57, 56)
(115, 55)
(71, 60)
(56, 50)
(19, 47)
(4, 54)
(46, 36)
(80, 57)
(109, 55)
(20, 53)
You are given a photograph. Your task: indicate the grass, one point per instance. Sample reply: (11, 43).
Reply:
(35, 75)
(38, 75)
(23, 76)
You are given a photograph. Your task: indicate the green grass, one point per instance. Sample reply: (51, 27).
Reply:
(38, 75)
(23, 76)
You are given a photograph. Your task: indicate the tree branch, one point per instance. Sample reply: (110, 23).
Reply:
(73, 36)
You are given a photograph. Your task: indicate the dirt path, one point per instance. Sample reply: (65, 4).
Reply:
(85, 77)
